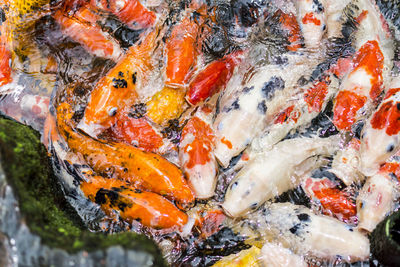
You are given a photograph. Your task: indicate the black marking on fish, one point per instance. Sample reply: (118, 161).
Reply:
(120, 74)
(2, 16)
(173, 131)
(295, 228)
(280, 60)
(137, 111)
(262, 107)
(304, 217)
(390, 10)
(296, 196)
(125, 35)
(269, 88)
(234, 106)
(119, 83)
(134, 77)
(357, 128)
(317, 6)
(114, 198)
(247, 89)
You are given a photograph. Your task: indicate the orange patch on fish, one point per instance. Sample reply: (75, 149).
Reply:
(346, 107)
(287, 115)
(315, 96)
(200, 149)
(370, 58)
(226, 142)
(289, 24)
(310, 18)
(387, 117)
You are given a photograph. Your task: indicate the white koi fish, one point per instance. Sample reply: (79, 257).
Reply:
(273, 172)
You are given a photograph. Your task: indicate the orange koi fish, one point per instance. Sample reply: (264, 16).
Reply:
(118, 88)
(181, 52)
(148, 208)
(5, 55)
(334, 202)
(142, 169)
(212, 79)
(130, 12)
(134, 129)
(196, 154)
(380, 135)
(82, 28)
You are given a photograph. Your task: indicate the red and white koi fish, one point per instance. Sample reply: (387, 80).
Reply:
(82, 28)
(377, 197)
(334, 202)
(370, 73)
(5, 56)
(380, 137)
(196, 153)
(213, 78)
(307, 233)
(273, 254)
(312, 20)
(246, 109)
(273, 172)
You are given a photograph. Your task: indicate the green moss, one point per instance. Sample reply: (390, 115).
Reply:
(42, 203)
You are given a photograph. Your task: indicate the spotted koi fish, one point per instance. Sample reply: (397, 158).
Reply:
(317, 235)
(254, 103)
(119, 87)
(142, 169)
(380, 135)
(312, 20)
(377, 197)
(196, 153)
(147, 208)
(371, 66)
(273, 172)
(334, 202)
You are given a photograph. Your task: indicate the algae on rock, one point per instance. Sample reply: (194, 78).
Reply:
(42, 203)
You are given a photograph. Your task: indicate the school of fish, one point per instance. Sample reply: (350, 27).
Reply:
(168, 118)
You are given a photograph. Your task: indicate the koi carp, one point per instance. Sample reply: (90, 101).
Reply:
(149, 209)
(370, 73)
(181, 52)
(317, 235)
(247, 109)
(142, 169)
(312, 20)
(5, 54)
(119, 87)
(196, 153)
(273, 172)
(130, 12)
(212, 79)
(82, 28)
(377, 197)
(380, 137)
